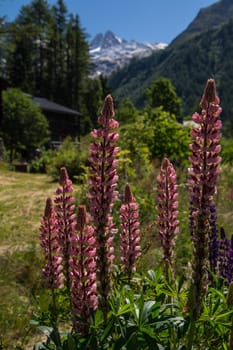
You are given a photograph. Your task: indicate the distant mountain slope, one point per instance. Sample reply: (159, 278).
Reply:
(188, 63)
(208, 18)
(109, 52)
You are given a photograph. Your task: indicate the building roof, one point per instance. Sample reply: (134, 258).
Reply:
(50, 106)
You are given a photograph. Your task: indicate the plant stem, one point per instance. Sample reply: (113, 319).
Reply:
(190, 335)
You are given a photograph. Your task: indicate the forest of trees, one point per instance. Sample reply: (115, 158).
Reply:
(45, 52)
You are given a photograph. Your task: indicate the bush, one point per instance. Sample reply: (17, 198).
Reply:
(69, 156)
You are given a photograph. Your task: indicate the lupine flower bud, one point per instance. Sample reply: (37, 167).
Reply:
(168, 225)
(203, 173)
(209, 95)
(49, 242)
(102, 194)
(64, 208)
(83, 273)
(130, 234)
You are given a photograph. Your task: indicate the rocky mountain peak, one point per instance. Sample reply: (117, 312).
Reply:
(109, 52)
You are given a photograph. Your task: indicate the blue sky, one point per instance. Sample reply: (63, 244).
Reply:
(141, 20)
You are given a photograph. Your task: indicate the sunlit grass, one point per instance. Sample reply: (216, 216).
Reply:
(22, 201)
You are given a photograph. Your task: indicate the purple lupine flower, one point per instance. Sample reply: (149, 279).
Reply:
(224, 246)
(168, 225)
(83, 273)
(130, 234)
(213, 240)
(52, 271)
(203, 172)
(102, 194)
(64, 208)
(229, 271)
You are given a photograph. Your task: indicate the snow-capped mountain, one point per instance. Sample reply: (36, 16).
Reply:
(109, 52)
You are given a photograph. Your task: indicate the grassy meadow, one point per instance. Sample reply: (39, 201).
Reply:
(22, 201)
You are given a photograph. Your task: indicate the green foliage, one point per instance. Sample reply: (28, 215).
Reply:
(161, 93)
(23, 124)
(205, 52)
(168, 138)
(126, 112)
(40, 164)
(227, 150)
(93, 98)
(149, 313)
(133, 145)
(48, 55)
(70, 156)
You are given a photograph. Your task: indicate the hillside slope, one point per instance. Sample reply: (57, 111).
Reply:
(188, 63)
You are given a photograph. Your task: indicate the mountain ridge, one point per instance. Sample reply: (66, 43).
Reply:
(110, 52)
(188, 62)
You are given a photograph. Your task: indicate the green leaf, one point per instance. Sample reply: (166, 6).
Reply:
(46, 330)
(34, 322)
(69, 343)
(124, 310)
(224, 315)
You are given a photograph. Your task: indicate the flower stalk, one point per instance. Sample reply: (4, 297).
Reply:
(83, 273)
(52, 271)
(130, 233)
(203, 174)
(103, 194)
(66, 221)
(168, 224)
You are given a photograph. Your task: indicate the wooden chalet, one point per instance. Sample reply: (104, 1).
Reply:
(63, 121)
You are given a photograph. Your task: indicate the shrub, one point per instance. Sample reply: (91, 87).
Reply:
(68, 155)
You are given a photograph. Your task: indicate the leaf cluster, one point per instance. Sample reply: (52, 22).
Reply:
(149, 313)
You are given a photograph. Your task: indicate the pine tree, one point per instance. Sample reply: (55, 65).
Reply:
(27, 62)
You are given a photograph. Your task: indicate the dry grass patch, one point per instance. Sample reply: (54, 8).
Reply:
(22, 200)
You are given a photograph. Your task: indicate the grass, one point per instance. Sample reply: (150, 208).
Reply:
(22, 201)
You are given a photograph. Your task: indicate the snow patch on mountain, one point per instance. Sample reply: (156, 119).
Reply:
(109, 52)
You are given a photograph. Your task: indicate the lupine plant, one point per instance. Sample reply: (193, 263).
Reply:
(49, 243)
(66, 221)
(203, 173)
(52, 271)
(130, 233)
(168, 224)
(106, 312)
(83, 273)
(203, 176)
(103, 194)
